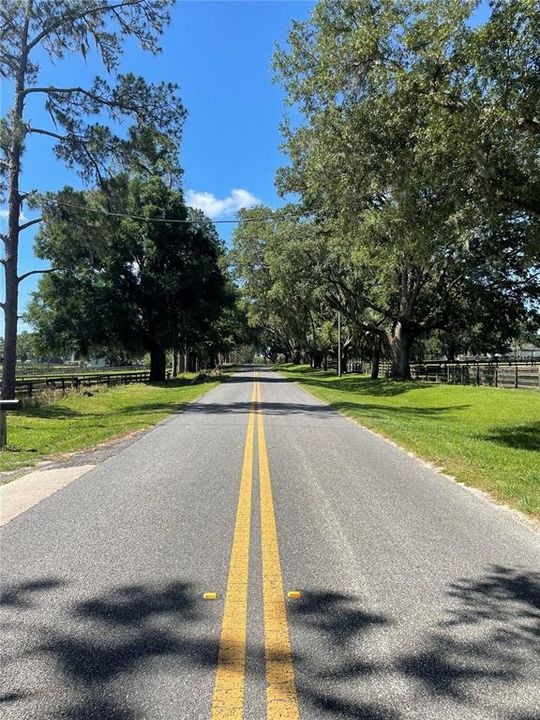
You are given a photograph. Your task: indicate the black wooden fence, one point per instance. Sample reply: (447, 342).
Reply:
(27, 387)
(515, 375)
(523, 375)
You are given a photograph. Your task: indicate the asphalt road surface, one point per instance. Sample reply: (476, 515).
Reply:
(418, 598)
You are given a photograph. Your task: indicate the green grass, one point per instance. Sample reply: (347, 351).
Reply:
(486, 438)
(77, 421)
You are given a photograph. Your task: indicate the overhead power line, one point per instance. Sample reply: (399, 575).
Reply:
(180, 221)
(191, 221)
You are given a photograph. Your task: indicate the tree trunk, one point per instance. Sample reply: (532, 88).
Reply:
(158, 362)
(451, 352)
(317, 360)
(10, 322)
(11, 241)
(175, 362)
(181, 363)
(190, 362)
(401, 343)
(376, 359)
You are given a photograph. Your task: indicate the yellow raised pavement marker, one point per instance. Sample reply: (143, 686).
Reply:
(281, 699)
(210, 595)
(294, 594)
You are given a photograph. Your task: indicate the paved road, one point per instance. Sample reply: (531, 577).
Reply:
(420, 599)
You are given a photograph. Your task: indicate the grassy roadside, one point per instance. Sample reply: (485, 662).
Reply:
(80, 421)
(486, 438)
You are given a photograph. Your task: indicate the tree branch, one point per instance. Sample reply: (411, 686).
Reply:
(72, 18)
(36, 272)
(49, 133)
(87, 93)
(30, 223)
(52, 89)
(81, 142)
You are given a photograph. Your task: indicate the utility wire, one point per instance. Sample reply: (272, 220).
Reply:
(205, 220)
(102, 211)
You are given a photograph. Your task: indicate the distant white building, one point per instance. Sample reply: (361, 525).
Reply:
(527, 351)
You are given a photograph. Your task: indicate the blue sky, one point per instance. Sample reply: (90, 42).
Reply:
(220, 54)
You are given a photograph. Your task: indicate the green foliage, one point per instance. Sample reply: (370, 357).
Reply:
(275, 257)
(423, 155)
(122, 283)
(26, 346)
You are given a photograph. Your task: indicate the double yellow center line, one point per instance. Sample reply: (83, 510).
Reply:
(228, 699)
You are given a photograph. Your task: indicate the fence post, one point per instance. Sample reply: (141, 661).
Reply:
(3, 429)
(496, 375)
(478, 373)
(5, 405)
(517, 378)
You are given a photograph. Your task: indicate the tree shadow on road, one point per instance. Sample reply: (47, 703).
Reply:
(26, 594)
(262, 379)
(103, 639)
(490, 632)
(318, 410)
(482, 648)
(330, 672)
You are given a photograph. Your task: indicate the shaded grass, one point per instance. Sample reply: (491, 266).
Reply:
(80, 421)
(487, 438)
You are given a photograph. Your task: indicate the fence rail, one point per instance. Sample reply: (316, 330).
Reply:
(29, 387)
(522, 375)
(515, 375)
(23, 371)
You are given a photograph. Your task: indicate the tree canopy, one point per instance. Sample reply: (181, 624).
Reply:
(418, 156)
(149, 278)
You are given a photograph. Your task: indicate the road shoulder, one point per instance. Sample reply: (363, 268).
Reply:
(523, 518)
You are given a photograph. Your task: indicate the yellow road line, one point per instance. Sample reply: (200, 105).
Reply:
(228, 698)
(281, 700)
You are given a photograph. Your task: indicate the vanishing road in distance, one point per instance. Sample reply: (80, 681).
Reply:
(411, 596)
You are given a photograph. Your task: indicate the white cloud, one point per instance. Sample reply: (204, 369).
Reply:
(218, 207)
